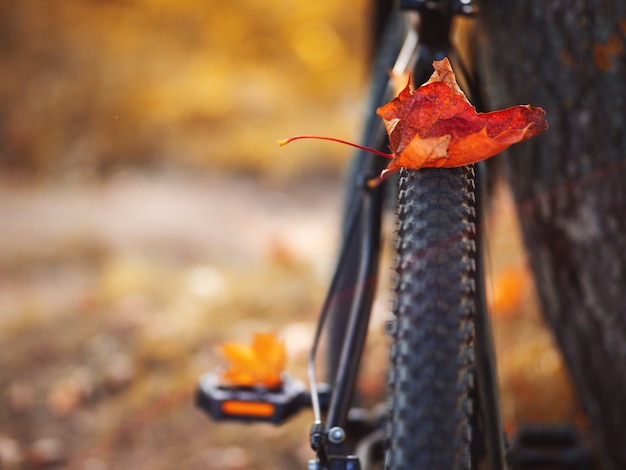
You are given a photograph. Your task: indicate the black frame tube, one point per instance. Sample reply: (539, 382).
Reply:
(356, 332)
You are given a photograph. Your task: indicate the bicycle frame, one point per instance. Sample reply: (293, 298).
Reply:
(352, 286)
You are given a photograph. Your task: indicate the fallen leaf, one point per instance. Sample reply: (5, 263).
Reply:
(508, 290)
(259, 363)
(436, 126)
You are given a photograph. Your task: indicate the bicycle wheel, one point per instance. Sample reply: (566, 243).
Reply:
(431, 368)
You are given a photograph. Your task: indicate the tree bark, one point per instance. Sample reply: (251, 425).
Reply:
(569, 57)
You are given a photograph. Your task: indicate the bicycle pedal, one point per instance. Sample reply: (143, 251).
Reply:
(251, 404)
(544, 446)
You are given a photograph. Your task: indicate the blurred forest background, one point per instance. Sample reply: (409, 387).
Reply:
(89, 87)
(147, 215)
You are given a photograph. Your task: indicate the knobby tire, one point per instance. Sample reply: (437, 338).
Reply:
(431, 371)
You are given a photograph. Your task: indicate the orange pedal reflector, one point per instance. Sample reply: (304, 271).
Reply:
(251, 409)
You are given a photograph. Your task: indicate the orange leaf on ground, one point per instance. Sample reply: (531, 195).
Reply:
(259, 363)
(436, 126)
(508, 290)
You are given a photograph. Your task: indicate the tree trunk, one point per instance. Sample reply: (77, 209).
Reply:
(569, 57)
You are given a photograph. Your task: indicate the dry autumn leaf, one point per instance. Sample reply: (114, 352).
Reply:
(259, 363)
(436, 126)
(507, 291)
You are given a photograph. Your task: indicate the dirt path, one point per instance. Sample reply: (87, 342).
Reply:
(223, 218)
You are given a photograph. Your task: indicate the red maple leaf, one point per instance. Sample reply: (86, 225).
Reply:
(436, 126)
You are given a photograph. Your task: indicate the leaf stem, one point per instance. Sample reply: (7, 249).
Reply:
(333, 139)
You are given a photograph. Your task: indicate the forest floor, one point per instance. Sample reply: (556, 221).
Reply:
(114, 296)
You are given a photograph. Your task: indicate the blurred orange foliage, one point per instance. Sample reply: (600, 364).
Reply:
(260, 363)
(509, 289)
(88, 87)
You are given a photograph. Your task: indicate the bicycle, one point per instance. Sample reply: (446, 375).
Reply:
(443, 404)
